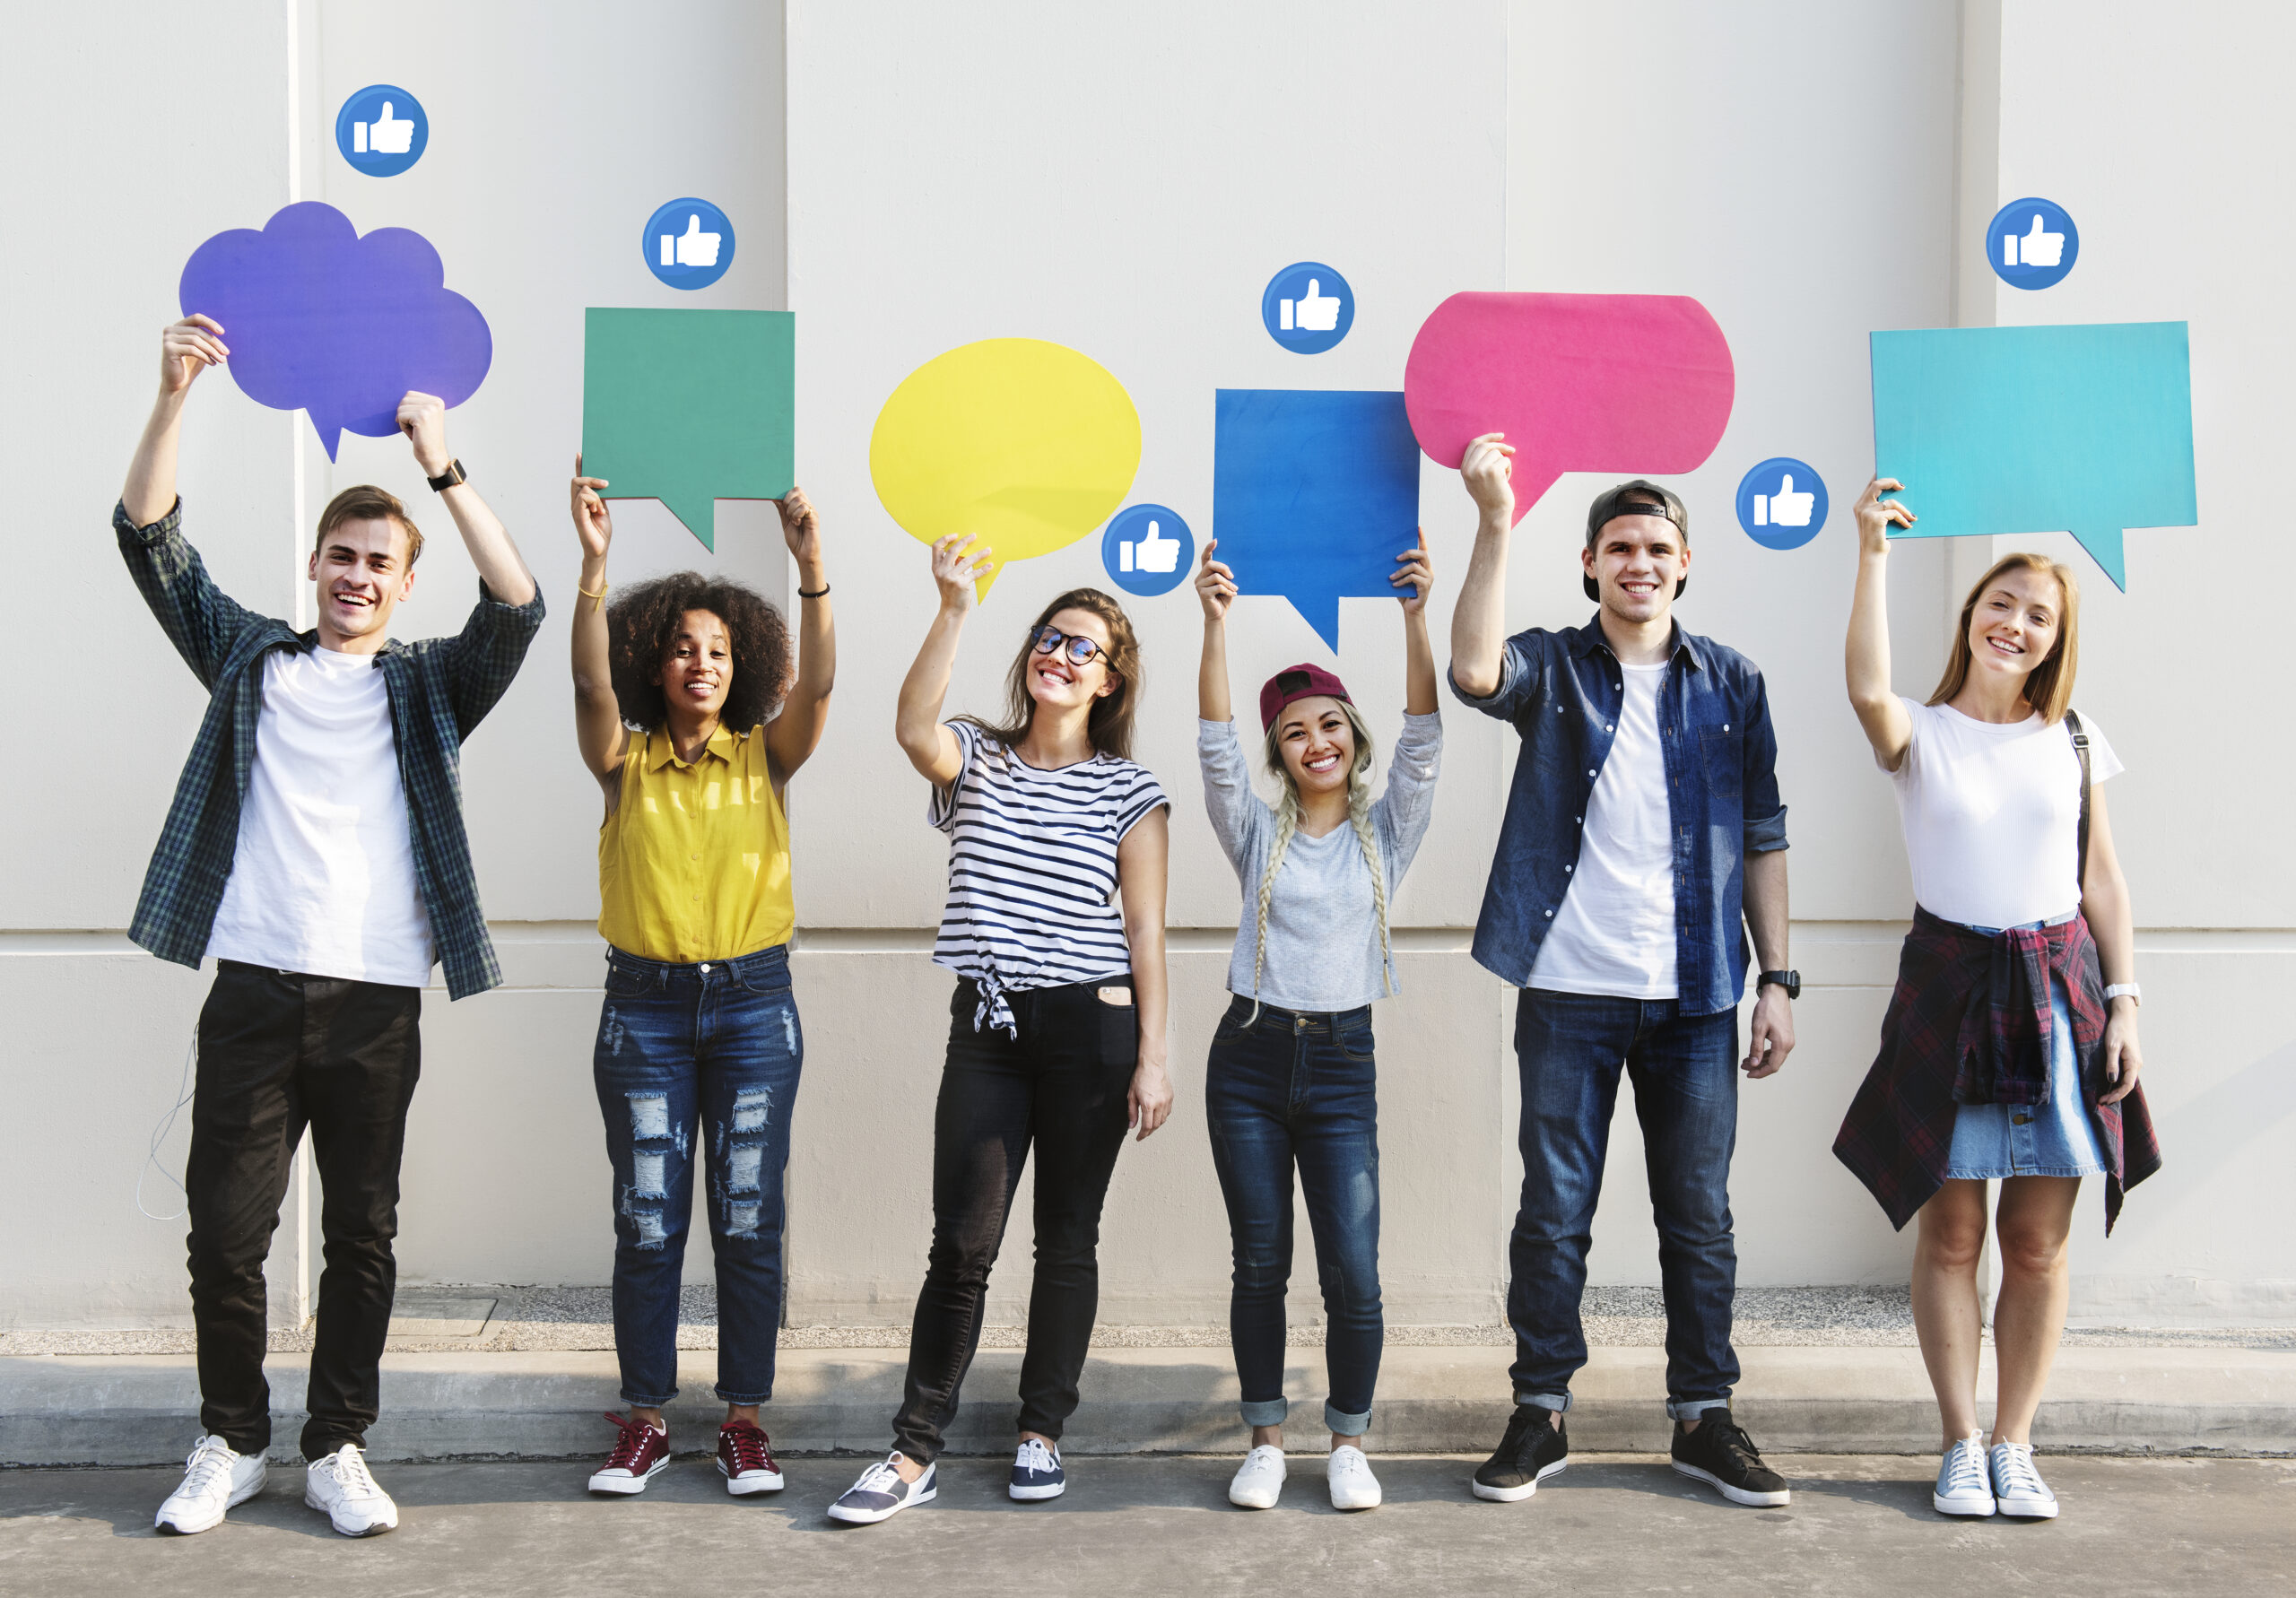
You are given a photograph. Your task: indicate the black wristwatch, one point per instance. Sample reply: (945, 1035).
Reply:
(453, 474)
(1791, 981)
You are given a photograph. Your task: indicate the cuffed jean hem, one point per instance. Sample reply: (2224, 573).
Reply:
(1344, 1425)
(1557, 1401)
(744, 1398)
(644, 1403)
(1266, 1412)
(1691, 1408)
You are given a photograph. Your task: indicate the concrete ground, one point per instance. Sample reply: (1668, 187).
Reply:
(1612, 1524)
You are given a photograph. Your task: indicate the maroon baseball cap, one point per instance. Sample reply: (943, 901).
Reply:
(1297, 682)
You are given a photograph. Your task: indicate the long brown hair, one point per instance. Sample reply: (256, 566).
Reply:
(1108, 724)
(2049, 686)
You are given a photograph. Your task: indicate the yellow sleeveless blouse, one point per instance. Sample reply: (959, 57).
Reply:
(693, 864)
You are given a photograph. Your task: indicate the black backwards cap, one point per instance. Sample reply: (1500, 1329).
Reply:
(1640, 497)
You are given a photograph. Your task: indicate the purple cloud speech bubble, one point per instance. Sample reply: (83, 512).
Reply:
(323, 320)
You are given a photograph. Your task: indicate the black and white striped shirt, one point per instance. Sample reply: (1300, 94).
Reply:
(1032, 881)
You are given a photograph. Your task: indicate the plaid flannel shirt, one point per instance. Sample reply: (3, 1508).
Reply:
(440, 689)
(1970, 1018)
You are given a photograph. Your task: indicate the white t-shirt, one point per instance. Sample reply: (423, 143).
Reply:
(1615, 932)
(322, 875)
(1992, 814)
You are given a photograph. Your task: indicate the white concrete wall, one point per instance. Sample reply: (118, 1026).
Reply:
(1125, 182)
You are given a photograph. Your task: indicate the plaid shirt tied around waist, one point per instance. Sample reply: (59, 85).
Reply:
(1970, 1024)
(438, 689)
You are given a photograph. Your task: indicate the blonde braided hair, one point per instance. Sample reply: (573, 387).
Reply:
(1287, 825)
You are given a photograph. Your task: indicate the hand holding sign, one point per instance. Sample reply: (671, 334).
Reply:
(387, 137)
(694, 247)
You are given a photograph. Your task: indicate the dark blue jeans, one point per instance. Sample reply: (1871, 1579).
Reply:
(712, 1050)
(1569, 1048)
(1300, 1089)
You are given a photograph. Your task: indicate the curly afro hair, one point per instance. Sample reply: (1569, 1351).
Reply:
(641, 621)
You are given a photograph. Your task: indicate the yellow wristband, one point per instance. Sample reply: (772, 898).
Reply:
(599, 598)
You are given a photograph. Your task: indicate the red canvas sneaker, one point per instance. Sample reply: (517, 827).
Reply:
(746, 1459)
(638, 1456)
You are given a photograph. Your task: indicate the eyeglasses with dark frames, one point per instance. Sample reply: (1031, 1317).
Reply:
(1082, 651)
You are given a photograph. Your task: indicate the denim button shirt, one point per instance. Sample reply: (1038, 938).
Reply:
(1562, 691)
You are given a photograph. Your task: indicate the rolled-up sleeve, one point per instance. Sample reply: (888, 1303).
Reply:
(1515, 672)
(1764, 811)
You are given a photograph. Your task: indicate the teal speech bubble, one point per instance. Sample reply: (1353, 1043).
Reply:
(2085, 430)
(689, 407)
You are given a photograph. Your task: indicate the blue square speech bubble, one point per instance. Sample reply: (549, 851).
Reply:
(1314, 494)
(2084, 429)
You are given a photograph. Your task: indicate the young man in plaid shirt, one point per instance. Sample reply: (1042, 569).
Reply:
(316, 848)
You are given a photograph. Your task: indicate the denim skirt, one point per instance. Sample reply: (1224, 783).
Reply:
(2052, 1138)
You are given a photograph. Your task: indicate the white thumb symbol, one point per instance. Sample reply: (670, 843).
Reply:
(387, 137)
(1159, 554)
(1317, 312)
(695, 247)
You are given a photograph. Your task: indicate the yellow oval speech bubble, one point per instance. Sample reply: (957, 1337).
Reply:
(1026, 443)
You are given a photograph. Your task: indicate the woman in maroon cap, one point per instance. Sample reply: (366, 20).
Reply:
(1290, 1079)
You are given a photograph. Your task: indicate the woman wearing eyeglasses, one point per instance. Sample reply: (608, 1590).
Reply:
(1055, 928)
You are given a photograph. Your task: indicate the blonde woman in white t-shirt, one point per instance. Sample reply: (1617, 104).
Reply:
(1980, 1077)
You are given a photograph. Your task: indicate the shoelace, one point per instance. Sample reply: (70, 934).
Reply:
(1965, 1468)
(1035, 1456)
(631, 1448)
(1349, 1461)
(348, 1468)
(2014, 1464)
(201, 1467)
(1730, 1440)
(751, 1448)
(882, 1478)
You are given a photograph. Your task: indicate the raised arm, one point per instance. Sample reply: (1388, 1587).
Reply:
(794, 734)
(1141, 862)
(1415, 579)
(930, 747)
(187, 349)
(598, 729)
(1215, 591)
(422, 418)
(1865, 656)
(1479, 620)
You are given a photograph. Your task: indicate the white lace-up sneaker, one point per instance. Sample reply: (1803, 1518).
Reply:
(1259, 1479)
(216, 1477)
(1963, 1488)
(340, 1486)
(1353, 1485)
(2017, 1487)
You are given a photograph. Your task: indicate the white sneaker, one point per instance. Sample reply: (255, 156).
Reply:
(215, 1478)
(1353, 1485)
(1963, 1488)
(881, 1494)
(2017, 1487)
(340, 1486)
(1259, 1479)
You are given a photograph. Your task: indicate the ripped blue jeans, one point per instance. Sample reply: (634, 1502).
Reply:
(708, 1054)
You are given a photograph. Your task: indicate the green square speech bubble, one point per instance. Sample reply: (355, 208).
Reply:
(689, 407)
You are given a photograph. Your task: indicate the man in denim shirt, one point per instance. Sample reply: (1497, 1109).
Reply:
(1643, 834)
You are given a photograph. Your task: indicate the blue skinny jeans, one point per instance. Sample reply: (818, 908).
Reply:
(708, 1052)
(1297, 1090)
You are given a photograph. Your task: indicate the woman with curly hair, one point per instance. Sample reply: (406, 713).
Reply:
(1292, 1078)
(1055, 928)
(692, 716)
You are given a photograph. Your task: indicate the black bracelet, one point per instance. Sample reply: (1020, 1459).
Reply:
(819, 593)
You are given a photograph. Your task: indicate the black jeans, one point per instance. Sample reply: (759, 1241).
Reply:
(279, 1051)
(1061, 1085)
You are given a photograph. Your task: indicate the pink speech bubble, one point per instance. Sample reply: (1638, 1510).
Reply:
(1625, 383)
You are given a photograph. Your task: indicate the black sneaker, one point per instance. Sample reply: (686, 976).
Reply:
(1723, 1457)
(1535, 1446)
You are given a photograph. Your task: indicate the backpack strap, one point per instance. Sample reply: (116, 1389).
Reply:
(2081, 751)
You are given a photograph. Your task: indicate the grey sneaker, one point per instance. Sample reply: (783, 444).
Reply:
(1963, 1488)
(2017, 1487)
(215, 1478)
